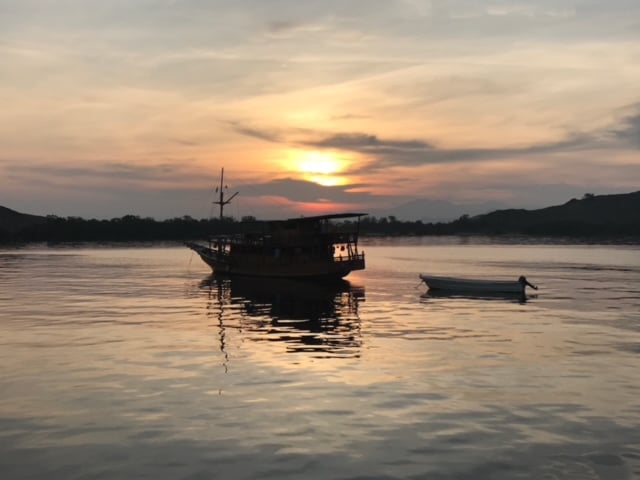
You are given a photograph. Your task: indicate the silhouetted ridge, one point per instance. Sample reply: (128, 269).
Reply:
(12, 222)
(606, 214)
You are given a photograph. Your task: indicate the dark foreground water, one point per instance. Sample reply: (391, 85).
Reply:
(133, 363)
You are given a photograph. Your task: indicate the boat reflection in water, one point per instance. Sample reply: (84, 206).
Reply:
(513, 297)
(317, 318)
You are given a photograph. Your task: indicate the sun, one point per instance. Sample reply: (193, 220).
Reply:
(318, 163)
(323, 168)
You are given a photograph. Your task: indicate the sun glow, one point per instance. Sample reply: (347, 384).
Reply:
(318, 167)
(319, 163)
(326, 180)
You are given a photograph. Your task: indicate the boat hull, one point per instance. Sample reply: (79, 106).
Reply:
(473, 285)
(272, 267)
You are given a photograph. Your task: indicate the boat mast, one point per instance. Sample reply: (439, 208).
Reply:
(222, 202)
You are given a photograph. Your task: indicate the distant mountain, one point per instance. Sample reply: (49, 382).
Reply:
(433, 211)
(12, 222)
(593, 214)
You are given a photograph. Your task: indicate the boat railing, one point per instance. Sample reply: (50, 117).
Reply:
(349, 258)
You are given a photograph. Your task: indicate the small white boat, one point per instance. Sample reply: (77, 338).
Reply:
(476, 285)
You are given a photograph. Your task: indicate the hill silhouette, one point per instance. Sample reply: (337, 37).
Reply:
(12, 222)
(591, 215)
(603, 216)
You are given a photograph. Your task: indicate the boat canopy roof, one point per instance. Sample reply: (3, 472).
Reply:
(263, 227)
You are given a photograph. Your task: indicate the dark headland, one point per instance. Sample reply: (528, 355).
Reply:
(591, 217)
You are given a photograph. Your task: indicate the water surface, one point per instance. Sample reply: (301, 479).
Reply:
(136, 363)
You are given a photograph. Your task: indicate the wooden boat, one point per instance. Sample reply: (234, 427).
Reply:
(307, 247)
(476, 285)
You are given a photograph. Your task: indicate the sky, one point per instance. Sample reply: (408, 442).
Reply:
(116, 107)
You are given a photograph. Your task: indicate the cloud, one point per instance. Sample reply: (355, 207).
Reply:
(288, 198)
(365, 142)
(360, 142)
(305, 191)
(386, 152)
(268, 136)
(628, 132)
(400, 152)
(106, 175)
(283, 28)
(171, 189)
(280, 26)
(349, 116)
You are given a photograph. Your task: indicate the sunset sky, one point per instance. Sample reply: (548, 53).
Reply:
(114, 107)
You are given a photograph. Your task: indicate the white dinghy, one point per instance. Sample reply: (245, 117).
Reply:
(456, 284)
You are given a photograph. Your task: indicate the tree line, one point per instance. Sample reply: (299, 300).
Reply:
(135, 228)
(132, 228)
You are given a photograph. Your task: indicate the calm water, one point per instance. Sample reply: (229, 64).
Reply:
(133, 363)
